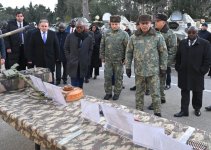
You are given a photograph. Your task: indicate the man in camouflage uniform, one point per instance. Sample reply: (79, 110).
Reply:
(112, 52)
(171, 43)
(148, 48)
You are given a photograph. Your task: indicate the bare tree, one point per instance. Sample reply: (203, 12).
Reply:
(85, 7)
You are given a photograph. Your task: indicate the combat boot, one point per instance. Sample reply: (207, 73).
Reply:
(158, 114)
(107, 96)
(116, 97)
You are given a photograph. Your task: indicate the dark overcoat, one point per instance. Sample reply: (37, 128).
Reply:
(61, 37)
(77, 56)
(192, 63)
(96, 61)
(13, 42)
(44, 54)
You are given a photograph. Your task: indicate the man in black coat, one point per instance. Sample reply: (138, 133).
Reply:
(192, 63)
(77, 47)
(44, 47)
(15, 43)
(61, 35)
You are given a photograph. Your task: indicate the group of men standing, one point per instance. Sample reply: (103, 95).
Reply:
(153, 50)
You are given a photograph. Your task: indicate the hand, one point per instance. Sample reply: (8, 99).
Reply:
(29, 62)
(9, 50)
(2, 61)
(162, 73)
(128, 72)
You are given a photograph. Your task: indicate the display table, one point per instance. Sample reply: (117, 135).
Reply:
(51, 125)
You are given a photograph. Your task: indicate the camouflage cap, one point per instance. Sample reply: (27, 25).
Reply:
(143, 18)
(162, 17)
(115, 18)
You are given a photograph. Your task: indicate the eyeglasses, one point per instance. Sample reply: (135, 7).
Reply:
(191, 32)
(79, 27)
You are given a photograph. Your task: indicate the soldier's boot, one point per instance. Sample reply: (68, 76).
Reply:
(133, 88)
(150, 107)
(158, 114)
(147, 92)
(116, 97)
(163, 101)
(107, 96)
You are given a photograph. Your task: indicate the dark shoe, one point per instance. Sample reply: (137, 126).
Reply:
(107, 96)
(95, 77)
(147, 92)
(57, 82)
(133, 88)
(123, 87)
(167, 87)
(101, 113)
(208, 108)
(158, 114)
(150, 107)
(116, 97)
(163, 101)
(64, 82)
(86, 81)
(197, 112)
(180, 114)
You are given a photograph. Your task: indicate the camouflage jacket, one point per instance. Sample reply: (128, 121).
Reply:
(113, 45)
(149, 52)
(171, 43)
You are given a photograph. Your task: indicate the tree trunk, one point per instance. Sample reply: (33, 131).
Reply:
(85, 7)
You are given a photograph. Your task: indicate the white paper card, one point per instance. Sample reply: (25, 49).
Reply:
(119, 119)
(37, 82)
(184, 138)
(55, 93)
(90, 110)
(147, 135)
(168, 143)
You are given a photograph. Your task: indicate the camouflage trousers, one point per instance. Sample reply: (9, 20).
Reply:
(110, 69)
(154, 86)
(162, 87)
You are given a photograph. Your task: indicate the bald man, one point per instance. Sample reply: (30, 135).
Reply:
(192, 63)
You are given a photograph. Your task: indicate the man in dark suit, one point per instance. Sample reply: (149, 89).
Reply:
(15, 43)
(192, 63)
(44, 47)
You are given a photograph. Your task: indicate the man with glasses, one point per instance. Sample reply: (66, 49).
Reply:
(148, 49)
(77, 47)
(15, 43)
(112, 52)
(192, 63)
(171, 43)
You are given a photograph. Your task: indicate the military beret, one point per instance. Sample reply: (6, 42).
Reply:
(162, 17)
(115, 18)
(144, 18)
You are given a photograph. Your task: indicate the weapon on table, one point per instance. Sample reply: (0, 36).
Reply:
(14, 73)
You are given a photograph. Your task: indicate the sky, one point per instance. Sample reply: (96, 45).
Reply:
(19, 3)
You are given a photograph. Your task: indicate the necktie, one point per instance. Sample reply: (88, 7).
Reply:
(72, 30)
(21, 34)
(44, 37)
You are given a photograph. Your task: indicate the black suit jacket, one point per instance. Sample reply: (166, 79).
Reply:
(44, 54)
(14, 40)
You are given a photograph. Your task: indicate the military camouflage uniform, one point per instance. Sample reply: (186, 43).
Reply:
(150, 55)
(112, 50)
(171, 43)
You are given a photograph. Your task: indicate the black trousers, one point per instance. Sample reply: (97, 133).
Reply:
(168, 76)
(22, 59)
(59, 65)
(196, 100)
(96, 71)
